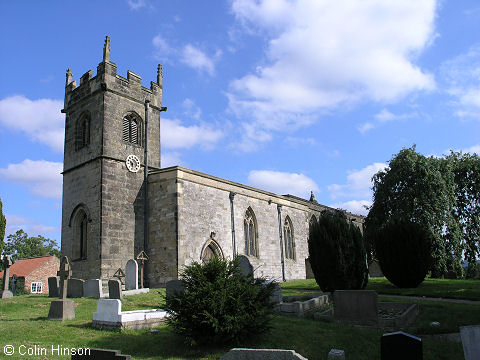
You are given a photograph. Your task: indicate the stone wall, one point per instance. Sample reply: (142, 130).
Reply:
(42, 273)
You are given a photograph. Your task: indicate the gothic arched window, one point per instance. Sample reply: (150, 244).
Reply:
(131, 129)
(288, 239)
(82, 132)
(80, 235)
(250, 233)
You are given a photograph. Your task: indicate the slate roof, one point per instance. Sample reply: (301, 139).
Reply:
(24, 267)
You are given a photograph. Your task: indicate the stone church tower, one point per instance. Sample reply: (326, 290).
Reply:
(107, 116)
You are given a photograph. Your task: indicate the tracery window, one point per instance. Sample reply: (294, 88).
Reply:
(82, 132)
(250, 233)
(288, 239)
(131, 129)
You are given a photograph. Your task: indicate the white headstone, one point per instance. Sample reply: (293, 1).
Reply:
(471, 341)
(131, 275)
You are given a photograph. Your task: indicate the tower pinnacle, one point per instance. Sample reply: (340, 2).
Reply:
(106, 49)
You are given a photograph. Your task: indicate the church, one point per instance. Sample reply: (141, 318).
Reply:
(119, 201)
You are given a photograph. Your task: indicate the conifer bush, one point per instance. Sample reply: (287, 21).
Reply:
(404, 251)
(220, 304)
(337, 253)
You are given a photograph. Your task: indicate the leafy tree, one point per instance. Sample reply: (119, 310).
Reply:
(219, 304)
(404, 252)
(21, 246)
(3, 223)
(337, 253)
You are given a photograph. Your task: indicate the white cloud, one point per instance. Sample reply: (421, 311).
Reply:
(136, 4)
(171, 159)
(383, 117)
(43, 178)
(359, 183)
(40, 119)
(174, 135)
(30, 226)
(191, 109)
(354, 206)
(473, 149)
(188, 54)
(321, 54)
(282, 182)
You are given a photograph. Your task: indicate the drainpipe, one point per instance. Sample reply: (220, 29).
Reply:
(279, 208)
(145, 181)
(231, 196)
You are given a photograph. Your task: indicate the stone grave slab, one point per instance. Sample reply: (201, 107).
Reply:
(400, 345)
(131, 275)
(245, 266)
(100, 354)
(470, 336)
(53, 287)
(75, 288)
(115, 289)
(356, 307)
(174, 286)
(93, 288)
(262, 354)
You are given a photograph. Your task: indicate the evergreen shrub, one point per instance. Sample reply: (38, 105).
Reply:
(404, 251)
(337, 253)
(219, 304)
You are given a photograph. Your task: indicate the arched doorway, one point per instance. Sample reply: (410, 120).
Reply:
(211, 249)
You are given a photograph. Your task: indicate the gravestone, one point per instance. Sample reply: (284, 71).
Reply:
(262, 354)
(53, 289)
(142, 257)
(245, 266)
(75, 288)
(7, 262)
(400, 346)
(14, 285)
(63, 309)
(174, 286)
(100, 354)
(93, 288)
(115, 289)
(131, 275)
(356, 307)
(336, 354)
(471, 341)
(120, 275)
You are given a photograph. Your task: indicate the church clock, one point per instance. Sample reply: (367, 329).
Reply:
(133, 163)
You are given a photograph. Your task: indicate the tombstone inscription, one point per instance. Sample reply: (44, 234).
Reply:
(63, 308)
(7, 262)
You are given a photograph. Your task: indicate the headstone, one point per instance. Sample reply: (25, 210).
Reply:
(63, 309)
(401, 346)
(131, 275)
(174, 286)
(93, 288)
(99, 354)
(142, 257)
(14, 285)
(262, 354)
(336, 354)
(471, 341)
(53, 289)
(356, 307)
(120, 275)
(7, 262)
(115, 289)
(245, 266)
(75, 288)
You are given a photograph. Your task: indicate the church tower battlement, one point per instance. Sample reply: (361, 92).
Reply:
(108, 121)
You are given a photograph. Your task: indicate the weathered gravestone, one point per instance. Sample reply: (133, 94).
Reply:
(115, 289)
(142, 257)
(63, 309)
(100, 354)
(14, 285)
(120, 275)
(262, 354)
(93, 288)
(75, 288)
(173, 287)
(400, 346)
(53, 289)
(245, 266)
(7, 262)
(131, 275)
(471, 341)
(356, 307)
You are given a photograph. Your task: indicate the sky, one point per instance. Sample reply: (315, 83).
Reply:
(285, 96)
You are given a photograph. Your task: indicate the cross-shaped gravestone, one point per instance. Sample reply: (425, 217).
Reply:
(120, 275)
(142, 256)
(64, 273)
(7, 262)
(14, 284)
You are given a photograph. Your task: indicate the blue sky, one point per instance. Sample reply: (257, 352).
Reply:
(287, 96)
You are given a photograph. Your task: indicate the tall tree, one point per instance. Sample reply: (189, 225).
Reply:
(3, 224)
(21, 246)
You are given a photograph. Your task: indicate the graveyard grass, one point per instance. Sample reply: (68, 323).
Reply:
(23, 321)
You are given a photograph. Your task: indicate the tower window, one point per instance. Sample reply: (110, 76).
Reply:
(131, 129)
(288, 239)
(250, 233)
(82, 132)
(80, 236)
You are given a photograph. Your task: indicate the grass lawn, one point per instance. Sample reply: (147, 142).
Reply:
(445, 288)
(23, 322)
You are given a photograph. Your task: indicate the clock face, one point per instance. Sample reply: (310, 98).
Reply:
(133, 163)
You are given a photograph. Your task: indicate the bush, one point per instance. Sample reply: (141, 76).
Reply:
(220, 304)
(337, 253)
(404, 252)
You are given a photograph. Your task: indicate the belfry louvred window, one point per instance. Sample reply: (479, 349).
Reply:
(131, 129)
